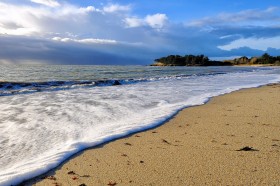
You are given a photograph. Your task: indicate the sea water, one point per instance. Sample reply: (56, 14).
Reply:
(50, 112)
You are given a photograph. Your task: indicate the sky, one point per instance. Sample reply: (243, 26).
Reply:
(122, 32)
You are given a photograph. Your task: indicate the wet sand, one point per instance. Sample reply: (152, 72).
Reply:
(234, 139)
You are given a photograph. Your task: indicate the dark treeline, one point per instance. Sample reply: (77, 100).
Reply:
(201, 60)
(188, 60)
(264, 59)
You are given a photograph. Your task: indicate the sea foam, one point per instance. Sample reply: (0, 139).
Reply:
(40, 130)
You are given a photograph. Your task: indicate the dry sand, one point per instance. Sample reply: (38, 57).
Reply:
(199, 146)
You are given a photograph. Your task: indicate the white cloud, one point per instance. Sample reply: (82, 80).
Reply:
(251, 16)
(88, 9)
(73, 10)
(50, 3)
(21, 17)
(28, 20)
(86, 41)
(156, 21)
(19, 31)
(134, 22)
(116, 8)
(254, 43)
(83, 22)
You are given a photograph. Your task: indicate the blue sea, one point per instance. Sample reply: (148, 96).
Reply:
(50, 112)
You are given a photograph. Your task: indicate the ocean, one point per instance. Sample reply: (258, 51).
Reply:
(50, 112)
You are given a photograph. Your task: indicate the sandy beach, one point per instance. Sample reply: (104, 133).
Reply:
(202, 145)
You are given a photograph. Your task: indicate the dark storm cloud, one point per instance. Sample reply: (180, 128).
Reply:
(19, 49)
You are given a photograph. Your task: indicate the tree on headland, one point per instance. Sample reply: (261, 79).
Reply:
(187, 60)
(201, 60)
(266, 59)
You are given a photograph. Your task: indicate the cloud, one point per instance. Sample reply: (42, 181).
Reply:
(132, 22)
(249, 52)
(115, 33)
(40, 21)
(254, 30)
(13, 15)
(52, 52)
(254, 43)
(10, 25)
(50, 3)
(156, 21)
(252, 16)
(237, 32)
(112, 8)
(86, 41)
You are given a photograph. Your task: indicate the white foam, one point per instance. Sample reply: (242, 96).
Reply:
(38, 131)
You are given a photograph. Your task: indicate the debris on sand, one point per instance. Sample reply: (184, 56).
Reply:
(247, 148)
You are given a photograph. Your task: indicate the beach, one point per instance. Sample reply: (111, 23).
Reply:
(231, 140)
(120, 93)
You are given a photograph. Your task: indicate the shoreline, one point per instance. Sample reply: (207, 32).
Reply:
(131, 160)
(256, 65)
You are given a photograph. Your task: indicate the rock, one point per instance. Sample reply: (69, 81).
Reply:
(116, 82)
(247, 149)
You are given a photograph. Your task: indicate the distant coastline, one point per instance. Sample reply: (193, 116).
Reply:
(201, 60)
